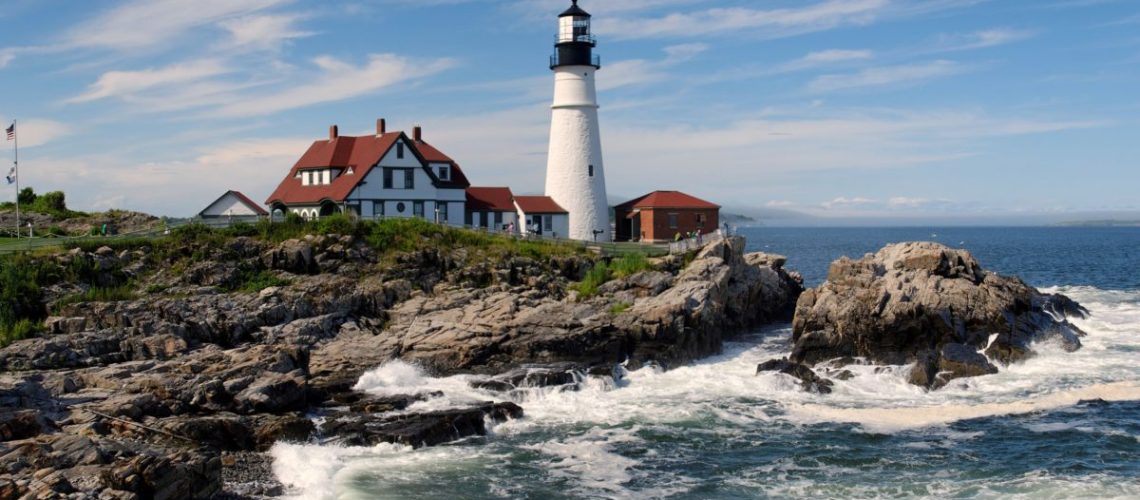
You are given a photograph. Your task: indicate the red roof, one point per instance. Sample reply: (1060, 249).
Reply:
(242, 198)
(495, 199)
(250, 203)
(538, 205)
(667, 199)
(432, 155)
(360, 153)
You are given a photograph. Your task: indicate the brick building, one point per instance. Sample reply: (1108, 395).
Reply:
(661, 215)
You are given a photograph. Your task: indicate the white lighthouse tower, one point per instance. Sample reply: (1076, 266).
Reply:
(575, 176)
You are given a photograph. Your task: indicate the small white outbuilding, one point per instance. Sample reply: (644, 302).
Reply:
(232, 204)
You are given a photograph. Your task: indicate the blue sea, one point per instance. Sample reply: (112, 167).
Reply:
(1061, 425)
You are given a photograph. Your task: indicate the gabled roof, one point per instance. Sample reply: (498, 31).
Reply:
(538, 205)
(241, 198)
(432, 155)
(494, 199)
(667, 199)
(362, 154)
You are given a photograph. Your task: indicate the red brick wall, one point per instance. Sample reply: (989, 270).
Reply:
(655, 222)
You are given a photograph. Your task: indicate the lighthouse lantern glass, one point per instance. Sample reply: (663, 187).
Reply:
(573, 29)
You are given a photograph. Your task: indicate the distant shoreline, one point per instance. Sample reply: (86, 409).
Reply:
(1101, 223)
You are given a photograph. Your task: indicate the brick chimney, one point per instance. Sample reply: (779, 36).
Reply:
(333, 132)
(381, 126)
(417, 134)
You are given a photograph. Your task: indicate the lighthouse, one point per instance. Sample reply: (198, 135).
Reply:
(575, 176)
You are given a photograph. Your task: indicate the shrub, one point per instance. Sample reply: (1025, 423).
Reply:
(53, 202)
(22, 329)
(26, 196)
(629, 265)
(620, 307)
(98, 294)
(241, 228)
(21, 298)
(336, 224)
(256, 282)
(597, 276)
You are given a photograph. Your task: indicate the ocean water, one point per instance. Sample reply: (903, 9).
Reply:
(1061, 425)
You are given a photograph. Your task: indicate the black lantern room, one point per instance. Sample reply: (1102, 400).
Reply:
(574, 45)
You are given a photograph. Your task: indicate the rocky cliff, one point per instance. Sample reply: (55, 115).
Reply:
(151, 396)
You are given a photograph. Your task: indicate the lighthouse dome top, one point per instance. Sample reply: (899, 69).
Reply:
(574, 11)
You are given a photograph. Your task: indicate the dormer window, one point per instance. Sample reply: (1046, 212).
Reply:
(445, 173)
(350, 171)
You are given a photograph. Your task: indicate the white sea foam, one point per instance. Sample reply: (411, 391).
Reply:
(581, 433)
(895, 419)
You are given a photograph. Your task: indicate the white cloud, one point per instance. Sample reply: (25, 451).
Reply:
(773, 22)
(336, 81)
(36, 132)
(246, 151)
(836, 55)
(128, 83)
(844, 202)
(641, 71)
(176, 188)
(982, 39)
(887, 76)
(6, 56)
(263, 31)
(145, 24)
(779, 204)
(906, 202)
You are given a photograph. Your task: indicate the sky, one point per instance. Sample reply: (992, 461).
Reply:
(833, 108)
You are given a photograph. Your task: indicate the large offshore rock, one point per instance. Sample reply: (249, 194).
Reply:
(925, 300)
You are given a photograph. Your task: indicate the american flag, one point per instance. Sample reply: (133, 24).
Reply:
(12, 132)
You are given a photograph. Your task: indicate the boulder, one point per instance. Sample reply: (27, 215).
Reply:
(809, 381)
(416, 429)
(911, 299)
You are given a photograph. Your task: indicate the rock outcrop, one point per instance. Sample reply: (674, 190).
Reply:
(145, 397)
(927, 304)
(666, 319)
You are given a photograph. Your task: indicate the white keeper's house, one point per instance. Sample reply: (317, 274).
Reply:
(384, 175)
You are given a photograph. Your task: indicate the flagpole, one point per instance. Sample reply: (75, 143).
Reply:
(16, 164)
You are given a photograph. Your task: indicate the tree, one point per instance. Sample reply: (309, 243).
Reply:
(53, 202)
(26, 196)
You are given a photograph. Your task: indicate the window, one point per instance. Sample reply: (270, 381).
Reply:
(400, 150)
(591, 170)
(400, 207)
(444, 173)
(547, 222)
(673, 221)
(700, 220)
(467, 219)
(441, 212)
(409, 179)
(498, 219)
(418, 209)
(308, 178)
(387, 178)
